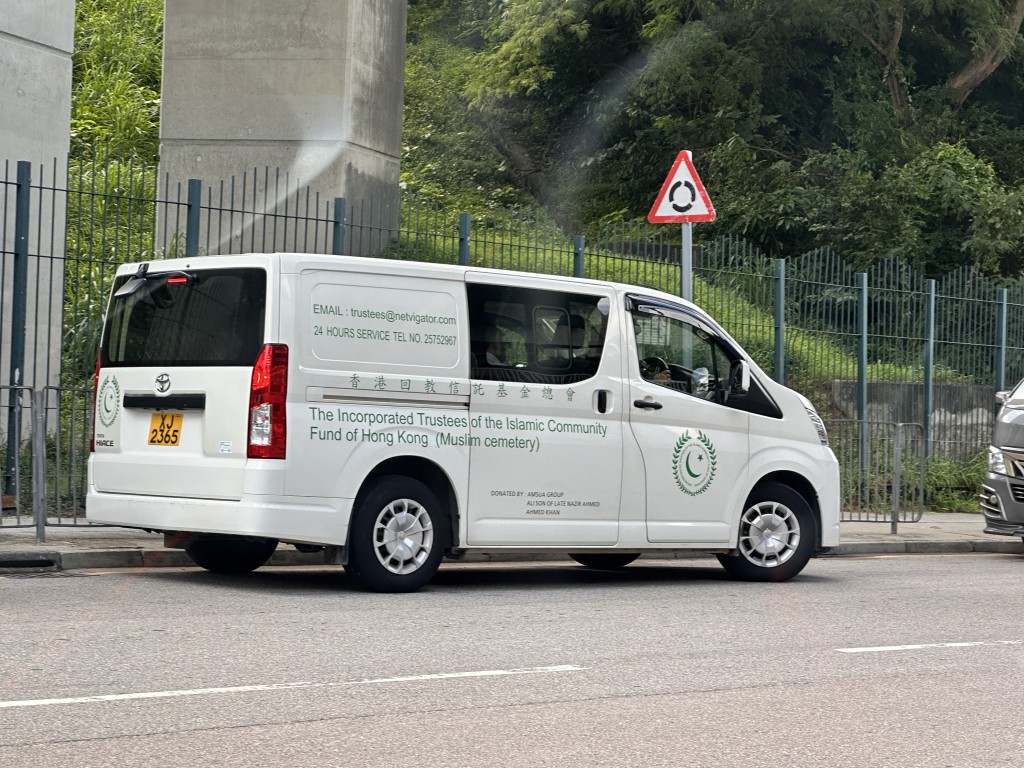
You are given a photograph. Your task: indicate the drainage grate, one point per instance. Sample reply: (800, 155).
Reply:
(28, 563)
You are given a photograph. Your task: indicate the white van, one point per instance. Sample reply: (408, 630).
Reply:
(394, 413)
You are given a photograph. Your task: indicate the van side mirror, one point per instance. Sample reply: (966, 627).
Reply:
(739, 379)
(701, 380)
(1002, 396)
(736, 386)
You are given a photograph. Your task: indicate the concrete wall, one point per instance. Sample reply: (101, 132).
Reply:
(313, 87)
(963, 415)
(36, 41)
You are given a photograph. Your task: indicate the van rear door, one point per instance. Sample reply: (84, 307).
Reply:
(173, 382)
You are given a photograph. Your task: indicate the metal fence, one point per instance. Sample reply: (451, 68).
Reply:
(879, 348)
(883, 469)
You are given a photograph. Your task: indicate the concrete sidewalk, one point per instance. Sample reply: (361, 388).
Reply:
(68, 547)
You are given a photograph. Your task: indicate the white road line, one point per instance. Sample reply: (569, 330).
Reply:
(285, 686)
(886, 648)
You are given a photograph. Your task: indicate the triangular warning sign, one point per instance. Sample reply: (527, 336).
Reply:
(683, 198)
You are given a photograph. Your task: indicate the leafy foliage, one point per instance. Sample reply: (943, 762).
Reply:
(879, 128)
(445, 151)
(867, 125)
(115, 99)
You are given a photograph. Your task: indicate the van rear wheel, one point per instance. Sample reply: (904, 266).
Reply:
(776, 536)
(229, 554)
(609, 561)
(397, 536)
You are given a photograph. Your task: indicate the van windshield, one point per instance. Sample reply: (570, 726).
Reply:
(200, 317)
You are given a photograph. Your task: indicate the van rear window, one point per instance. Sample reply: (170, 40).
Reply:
(200, 317)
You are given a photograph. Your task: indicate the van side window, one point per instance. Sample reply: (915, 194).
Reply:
(679, 355)
(535, 336)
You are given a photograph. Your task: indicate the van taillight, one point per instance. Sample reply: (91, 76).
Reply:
(95, 394)
(267, 395)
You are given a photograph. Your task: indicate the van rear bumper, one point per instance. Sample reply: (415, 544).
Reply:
(299, 520)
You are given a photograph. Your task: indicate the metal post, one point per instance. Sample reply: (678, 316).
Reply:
(929, 367)
(39, 463)
(780, 320)
(464, 230)
(897, 457)
(578, 245)
(1001, 314)
(862, 382)
(338, 241)
(686, 271)
(18, 314)
(195, 200)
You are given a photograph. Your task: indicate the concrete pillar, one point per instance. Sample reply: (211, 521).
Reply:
(291, 93)
(36, 41)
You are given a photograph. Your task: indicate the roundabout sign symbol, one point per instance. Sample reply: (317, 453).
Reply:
(690, 191)
(683, 199)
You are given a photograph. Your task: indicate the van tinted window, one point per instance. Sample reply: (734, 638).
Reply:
(535, 336)
(206, 317)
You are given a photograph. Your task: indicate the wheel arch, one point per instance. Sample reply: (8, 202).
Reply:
(427, 472)
(800, 485)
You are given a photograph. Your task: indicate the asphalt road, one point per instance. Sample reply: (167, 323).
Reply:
(910, 660)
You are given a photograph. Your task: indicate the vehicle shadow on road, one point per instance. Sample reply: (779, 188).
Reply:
(466, 577)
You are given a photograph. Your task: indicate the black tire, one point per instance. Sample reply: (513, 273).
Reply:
(397, 536)
(776, 538)
(229, 554)
(608, 561)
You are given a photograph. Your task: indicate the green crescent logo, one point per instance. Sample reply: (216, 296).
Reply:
(694, 463)
(108, 401)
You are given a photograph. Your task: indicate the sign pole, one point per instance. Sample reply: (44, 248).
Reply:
(686, 273)
(683, 200)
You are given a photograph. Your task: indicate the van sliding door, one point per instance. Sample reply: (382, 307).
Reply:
(545, 410)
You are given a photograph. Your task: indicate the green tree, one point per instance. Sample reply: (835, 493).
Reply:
(787, 106)
(115, 95)
(877, 127)
(446, 150)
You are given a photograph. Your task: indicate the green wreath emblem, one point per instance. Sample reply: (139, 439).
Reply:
(694, 463)
(108, 401)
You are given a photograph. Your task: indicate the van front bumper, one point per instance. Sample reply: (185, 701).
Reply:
(1002, 504)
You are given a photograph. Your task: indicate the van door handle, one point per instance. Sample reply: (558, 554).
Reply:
(652, 405)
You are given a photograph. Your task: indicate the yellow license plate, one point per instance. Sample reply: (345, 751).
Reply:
(165, 428)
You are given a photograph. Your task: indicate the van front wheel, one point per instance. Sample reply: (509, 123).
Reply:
(229, 554)
(397, 536)
(776, 536)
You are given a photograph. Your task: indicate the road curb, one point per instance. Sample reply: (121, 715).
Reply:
(927, 547)
(100, 558)
(27, 560)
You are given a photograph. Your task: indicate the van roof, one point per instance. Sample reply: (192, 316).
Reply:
(293, 262)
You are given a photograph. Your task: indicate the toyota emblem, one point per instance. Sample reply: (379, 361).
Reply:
(163, 382)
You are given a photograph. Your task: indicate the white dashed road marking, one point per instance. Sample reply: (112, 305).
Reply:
(887, 648)
(285, 686)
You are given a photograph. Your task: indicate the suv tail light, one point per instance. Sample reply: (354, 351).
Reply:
(267, 395)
